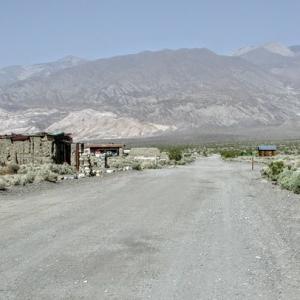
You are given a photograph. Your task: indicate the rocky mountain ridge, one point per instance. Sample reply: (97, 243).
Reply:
(154, 93)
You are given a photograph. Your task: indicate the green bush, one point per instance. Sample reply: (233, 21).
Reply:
(284, 179)
(3, 185)
(175, 154)
(275, 169)
(137, 167)
(288, 177)
(230, 153)
(290, 180)
(296, 182)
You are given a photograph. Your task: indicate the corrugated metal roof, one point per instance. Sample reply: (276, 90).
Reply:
(267, 147)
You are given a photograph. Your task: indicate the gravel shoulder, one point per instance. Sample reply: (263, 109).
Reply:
(210, 230)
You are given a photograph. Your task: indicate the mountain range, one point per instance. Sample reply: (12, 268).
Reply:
(155, 93)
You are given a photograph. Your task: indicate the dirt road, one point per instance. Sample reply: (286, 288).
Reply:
(211, 230)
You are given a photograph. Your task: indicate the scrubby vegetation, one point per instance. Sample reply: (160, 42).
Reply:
(175, 154)
(137, 166)
(231, 153)
(284, 171)
(286, 175)
(9, 169)
(169, 156)
(12, 175)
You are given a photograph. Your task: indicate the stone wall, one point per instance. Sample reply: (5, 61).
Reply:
(91, 165)
(33, 150)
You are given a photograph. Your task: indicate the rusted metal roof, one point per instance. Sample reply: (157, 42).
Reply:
(15, 137)
(23, 137)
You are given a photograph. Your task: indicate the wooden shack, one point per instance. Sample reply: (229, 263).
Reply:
(266, 150)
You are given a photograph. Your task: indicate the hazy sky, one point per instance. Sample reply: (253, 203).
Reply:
(33, 31)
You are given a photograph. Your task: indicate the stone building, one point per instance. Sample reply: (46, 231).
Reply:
(36, 148)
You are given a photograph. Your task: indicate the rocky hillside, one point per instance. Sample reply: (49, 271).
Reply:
(151, 93)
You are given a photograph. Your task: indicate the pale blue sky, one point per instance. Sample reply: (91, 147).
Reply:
(33, 31)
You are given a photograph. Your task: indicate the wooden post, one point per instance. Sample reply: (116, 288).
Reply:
(77, 157)
(252, 162)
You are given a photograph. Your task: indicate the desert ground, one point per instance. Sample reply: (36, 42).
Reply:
(209, 230)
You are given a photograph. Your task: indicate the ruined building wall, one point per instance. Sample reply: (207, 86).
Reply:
(37, 150)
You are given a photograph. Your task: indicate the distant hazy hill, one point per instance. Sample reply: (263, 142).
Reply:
(151, 93)
(295, 49)
(283, 62)
(13, 74)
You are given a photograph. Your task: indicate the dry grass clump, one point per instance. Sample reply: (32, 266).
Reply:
(9, 169)
(26, 174)
(63, 169)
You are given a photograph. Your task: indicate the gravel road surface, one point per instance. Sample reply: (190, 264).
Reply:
(210, 230)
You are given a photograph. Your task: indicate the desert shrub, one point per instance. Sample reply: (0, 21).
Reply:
(284, 179)
(3, 185)
(296, 182)
(153, 166)
(10, 168)
(24, 169)
(63, 169)
(20, 179)
(230, 153)
(34, 173)
(188, 159)
(274, 169)
(28, 178)
(175, 154)
(13, 168)
(50, 176)
(290, 180)
(45, 173)
(287, 176)
(16, 179)
(137, 166)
